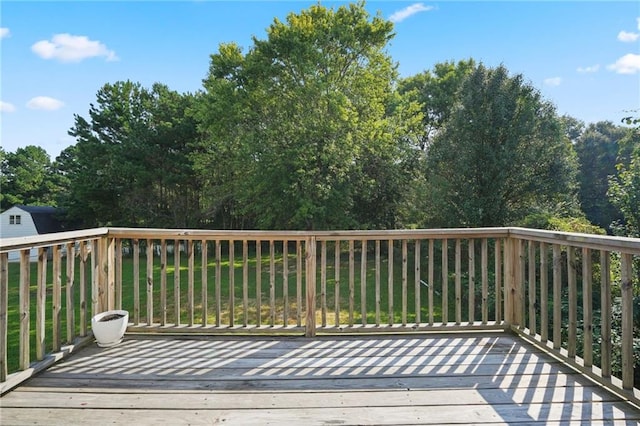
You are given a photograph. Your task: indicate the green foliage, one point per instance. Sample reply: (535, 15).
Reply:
(302, 123)
(28, 177)
(564, 224)
(624, 187)
(501, 155)
(437, 92)
(310, 128)
(597, 148)
(130, 166)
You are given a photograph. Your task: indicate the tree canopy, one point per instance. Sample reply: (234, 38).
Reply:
(303, 120)
(501, 155)
(310, 127)
(130, 164)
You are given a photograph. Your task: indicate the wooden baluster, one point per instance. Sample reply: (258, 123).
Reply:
(378, 294)
(70, 292)
(150, 284)
(458, 281)
(259, 283)
(323, 283)
(232, 283)
(245, 282)
(299, 274)
(56, 315)
(405, 262)
(163, 282)
(484, 260)
(417, 261)
(25, 303)
(4, 315)
(531, 257)
(544, 293)
(218, 289)
(573, 302)
(605, 313)
(136, 281)
(363, 282)
(472, 281)
(445, 281)
(626, 290)
(41, 304)
(557, 295)
(390, 282)
(310, 274)
(285, 283)
(431, 280)
(351, 281)
(587, 311)
(191, 282)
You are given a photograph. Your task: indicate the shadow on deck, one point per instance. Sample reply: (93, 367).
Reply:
(488, 378)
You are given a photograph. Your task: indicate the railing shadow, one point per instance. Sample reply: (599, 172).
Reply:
(515, 380)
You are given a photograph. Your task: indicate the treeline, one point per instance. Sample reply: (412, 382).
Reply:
(312, 128)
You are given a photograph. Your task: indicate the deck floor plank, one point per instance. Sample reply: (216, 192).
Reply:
(417, 379)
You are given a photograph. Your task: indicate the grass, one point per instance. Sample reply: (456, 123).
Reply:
(232, 280)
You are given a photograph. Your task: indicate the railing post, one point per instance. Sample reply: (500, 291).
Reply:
(513, 282)
(310, 275)
(106, 275)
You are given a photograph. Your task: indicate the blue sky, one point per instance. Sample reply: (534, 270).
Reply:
(583, 56)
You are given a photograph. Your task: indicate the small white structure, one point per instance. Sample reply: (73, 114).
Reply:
(25, 221)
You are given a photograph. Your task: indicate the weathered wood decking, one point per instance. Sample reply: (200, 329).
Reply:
(488, 378)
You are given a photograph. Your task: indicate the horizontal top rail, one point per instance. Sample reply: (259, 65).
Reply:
(44, 240)
(592, 241)
(344, 235)
(598, 242)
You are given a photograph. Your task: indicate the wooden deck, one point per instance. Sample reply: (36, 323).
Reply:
(488, 378)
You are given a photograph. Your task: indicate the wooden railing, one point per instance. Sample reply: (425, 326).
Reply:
(199, 281)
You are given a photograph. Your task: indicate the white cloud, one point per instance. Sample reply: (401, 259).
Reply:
(627, 37)
(552, 81)
(71, 48)
(4, 32)
(589, 69)
(6, 107)
(628, 64)
(408, 11)
(45, 103)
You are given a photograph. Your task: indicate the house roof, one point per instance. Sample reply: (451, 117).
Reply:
(45, 218)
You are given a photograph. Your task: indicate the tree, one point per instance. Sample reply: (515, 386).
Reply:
(437, 92)
(501, 156)
(28, 178)
(130, 166)
(597, 148)
(624, 187)
(303, 123)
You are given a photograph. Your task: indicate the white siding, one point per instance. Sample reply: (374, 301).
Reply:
(24, 229)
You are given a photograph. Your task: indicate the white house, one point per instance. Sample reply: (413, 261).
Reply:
(24, 221)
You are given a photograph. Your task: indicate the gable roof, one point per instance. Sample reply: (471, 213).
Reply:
(45, 218)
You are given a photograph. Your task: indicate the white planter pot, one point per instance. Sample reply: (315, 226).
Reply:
(109, 327)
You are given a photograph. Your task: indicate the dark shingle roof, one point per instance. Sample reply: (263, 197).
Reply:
(46, 218)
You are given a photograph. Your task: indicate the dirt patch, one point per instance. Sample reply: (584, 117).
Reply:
(111, 317)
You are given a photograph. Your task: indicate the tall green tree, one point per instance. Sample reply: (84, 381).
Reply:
(28, 177)
(597, 148)
(302, 121)
(501, 156)
(437, 91)
(130, 165)
(624, 186)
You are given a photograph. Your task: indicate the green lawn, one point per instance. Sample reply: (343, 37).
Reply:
(238, 288)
